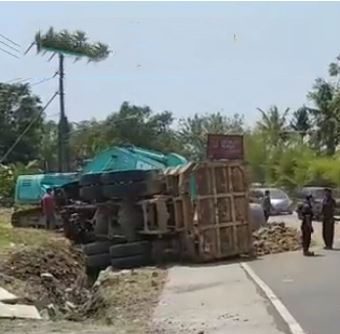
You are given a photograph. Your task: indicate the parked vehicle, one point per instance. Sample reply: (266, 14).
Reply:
(281, 203)
(318, 195)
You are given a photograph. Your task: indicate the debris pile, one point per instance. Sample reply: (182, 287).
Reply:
(51, 277)
(276, 238)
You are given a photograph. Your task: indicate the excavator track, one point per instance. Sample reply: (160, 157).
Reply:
(30, 218)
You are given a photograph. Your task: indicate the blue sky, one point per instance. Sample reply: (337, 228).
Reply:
(178, 56)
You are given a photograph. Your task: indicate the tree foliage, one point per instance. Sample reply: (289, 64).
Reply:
(326, 115)
(133, 125)
(75, 44)
(301, 122)
(18, 107)
(9, 174)
(283, 149)
(193, 131)
(273, 124)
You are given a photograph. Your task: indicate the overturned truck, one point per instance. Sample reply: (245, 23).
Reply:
(130, 206)
(195, 212)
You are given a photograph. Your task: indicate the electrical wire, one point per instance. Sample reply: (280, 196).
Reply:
(17, 81)
(9, 40)
(44, 80)
(29, 48)
(9, 53)
(13, 80)
(9, 46)
(27, 128)
(21, 80)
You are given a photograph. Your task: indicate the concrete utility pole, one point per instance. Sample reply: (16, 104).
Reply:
(73, 44)
(63, 126)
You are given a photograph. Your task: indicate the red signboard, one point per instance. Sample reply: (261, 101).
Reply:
(225, 147)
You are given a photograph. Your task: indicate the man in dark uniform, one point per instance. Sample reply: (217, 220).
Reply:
(306, 214)
(328, 206)
(266, 205)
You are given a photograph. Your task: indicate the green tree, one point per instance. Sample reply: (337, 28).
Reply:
(274, 125)
(18, 107)
(326, 115)
(87, 139)
(132, 125)
(9, 174)
(301, 122)
(256, 153)
(193, 131)
(140, 126)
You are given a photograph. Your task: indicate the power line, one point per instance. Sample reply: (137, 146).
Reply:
(29, 48)
(9, 40)
(9, 53)
(9, 46)
(20, 80)
(17, 81)
(13, 80)
(28, 128)
(44, 80)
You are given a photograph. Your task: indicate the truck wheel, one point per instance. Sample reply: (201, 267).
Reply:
(89, 179)
(130, 218)
(130, 262)
(97, 247)
(128, 176)
(91, 193)
(130, 249)
(98, 261)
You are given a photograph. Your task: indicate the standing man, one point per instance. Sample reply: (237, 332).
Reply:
(306, 212)
(328, 206)
(48, 208)
(266, 205)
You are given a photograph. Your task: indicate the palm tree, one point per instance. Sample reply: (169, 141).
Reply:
(75, 45)
(326, 114)
(273, 124)
(301, 122)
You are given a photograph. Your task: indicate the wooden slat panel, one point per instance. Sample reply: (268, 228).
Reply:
(221, 223)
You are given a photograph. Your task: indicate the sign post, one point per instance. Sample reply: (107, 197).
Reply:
(225, 147)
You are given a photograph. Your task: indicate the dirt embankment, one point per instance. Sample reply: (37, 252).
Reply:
(52, 277)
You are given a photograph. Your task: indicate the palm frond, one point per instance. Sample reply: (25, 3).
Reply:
(74, 44)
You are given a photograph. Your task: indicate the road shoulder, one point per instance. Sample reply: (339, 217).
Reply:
(214, 299)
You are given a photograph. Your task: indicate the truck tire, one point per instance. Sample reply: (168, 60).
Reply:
(130, 262)
(91, 193)
(98, 261)
(138, 189)
(128, 176)
(130, 219)
(130, 249)
(90, 179)
(97, 247)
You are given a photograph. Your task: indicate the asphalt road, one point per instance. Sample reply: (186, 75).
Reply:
(308, 287)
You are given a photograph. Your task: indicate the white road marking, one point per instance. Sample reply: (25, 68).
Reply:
(293, 325)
